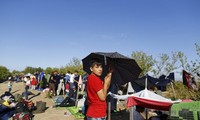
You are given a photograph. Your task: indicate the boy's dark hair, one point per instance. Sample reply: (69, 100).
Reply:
(95, 61)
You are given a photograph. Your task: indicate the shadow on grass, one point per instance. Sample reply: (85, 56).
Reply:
(14, 91)
(34, 96)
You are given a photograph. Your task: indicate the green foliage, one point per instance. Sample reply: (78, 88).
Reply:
(40, 83)
(4, 73)
(193, 66)
(145, 61)
(63, 70)
(15, 72)
(165, 64)
(39, 69)
(48, 70)
(197, 49)
(182, 92)
(75, 64)
(32, 70)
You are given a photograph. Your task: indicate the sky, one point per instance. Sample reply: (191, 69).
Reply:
(50, 33)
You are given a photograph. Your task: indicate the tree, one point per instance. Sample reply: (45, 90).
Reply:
(63, 70)
(165, 64)
(75, 64)
(172, 63)
(39, 69)
(192, 67)
(183, 60)
(48, 70)
(196, 63)
(15, 72)
(160, 64)
(145, 61)
(4, 73)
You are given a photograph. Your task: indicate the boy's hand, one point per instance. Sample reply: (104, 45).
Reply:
(110, 68)
(107, 80)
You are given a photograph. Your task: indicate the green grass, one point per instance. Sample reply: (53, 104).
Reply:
(75, 111)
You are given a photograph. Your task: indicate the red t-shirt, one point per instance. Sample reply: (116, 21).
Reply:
(67, 86)
(33, 81)
(97, 108)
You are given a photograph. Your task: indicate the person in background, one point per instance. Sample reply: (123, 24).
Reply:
(67, 88)
(67, 76)
(27, 86)
(97, 91)
(33, 83)
(71, 81)
(137, 113)
(9, 84)
(52, 83)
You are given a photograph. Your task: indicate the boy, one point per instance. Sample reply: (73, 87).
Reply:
(97, 91)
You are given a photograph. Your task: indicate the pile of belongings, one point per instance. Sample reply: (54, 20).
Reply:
(16, 107)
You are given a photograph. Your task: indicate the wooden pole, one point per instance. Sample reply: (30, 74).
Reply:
(77, 92)
(173, 90)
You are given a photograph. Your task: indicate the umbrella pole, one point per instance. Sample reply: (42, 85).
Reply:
(131, 113)
(109, 110)
(146, 83)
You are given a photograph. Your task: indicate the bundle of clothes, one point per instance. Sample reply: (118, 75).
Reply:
(18, 108)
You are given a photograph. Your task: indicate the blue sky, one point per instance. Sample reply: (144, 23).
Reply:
(49, 33)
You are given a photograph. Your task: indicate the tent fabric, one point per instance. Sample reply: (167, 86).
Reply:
(130, 88)
(147, 103)
(120, 97)
(150, 99)
(139, 83)
(186, 78)
(171, 76)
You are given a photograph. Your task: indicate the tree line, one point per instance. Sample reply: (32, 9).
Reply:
(162, 64)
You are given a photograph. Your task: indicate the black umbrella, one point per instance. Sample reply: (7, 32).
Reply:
(125, 68)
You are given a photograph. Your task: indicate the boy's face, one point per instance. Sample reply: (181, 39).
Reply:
(97, 69)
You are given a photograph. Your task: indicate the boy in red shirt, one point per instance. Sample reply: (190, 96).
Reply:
(97, 92)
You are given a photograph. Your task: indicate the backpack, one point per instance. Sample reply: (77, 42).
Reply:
(21, 107)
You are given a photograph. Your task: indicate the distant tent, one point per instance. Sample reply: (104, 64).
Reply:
(139, 84)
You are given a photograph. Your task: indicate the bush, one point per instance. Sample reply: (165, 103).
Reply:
(4, 73)
(182, 92)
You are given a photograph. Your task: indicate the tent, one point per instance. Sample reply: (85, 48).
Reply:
(139, 84)
(149, 99)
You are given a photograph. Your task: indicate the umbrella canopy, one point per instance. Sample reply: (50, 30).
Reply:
(125, 68)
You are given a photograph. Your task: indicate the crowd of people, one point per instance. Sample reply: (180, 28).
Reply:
(69, 83)
(56, 84)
